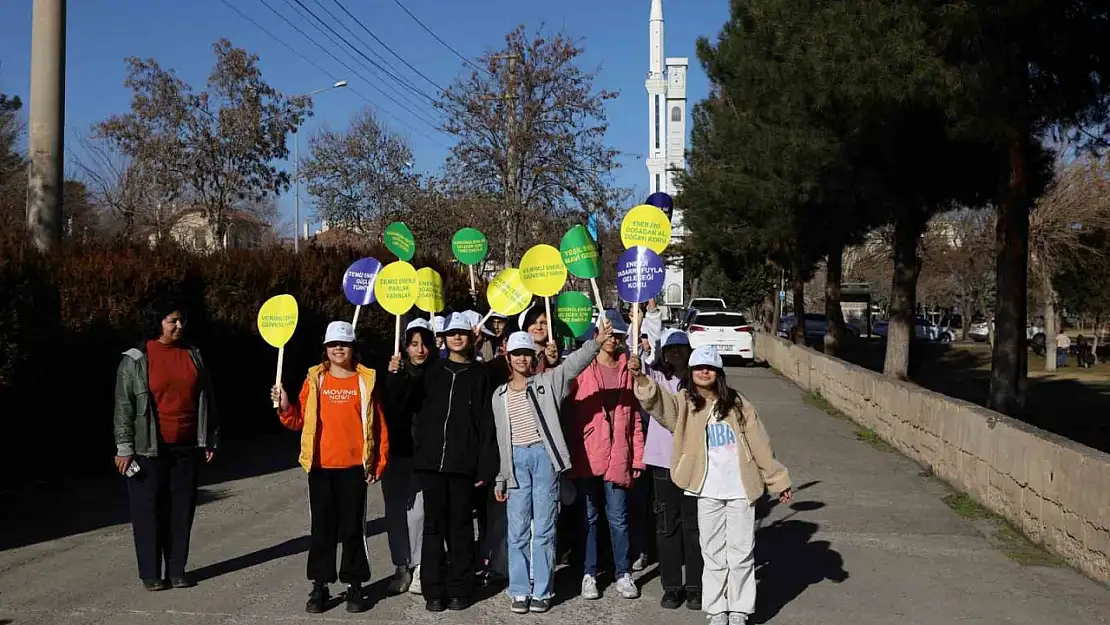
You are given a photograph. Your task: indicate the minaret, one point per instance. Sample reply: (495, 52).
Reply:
(656, 85)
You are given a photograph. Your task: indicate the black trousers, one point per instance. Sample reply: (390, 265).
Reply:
(448, 519)
(163, 500)
(337, 498)
(676, 533)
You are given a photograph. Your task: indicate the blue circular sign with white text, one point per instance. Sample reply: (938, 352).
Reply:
(358, 281)
(640, 274)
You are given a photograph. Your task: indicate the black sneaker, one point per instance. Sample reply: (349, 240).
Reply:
(672, 599)
(318, 598)
(356, 602)
(434, 605)
(155, 585)
(457, 603)
(693, 600)
(539, 606)
(519, 605)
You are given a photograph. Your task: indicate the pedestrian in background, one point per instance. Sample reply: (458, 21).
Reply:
(723, 456)
(344, 447)
(533, 455)
(166, 427)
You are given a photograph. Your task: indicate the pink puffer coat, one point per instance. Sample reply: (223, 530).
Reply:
(609, 446)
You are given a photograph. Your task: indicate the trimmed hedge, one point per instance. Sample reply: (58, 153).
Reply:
(66, 318)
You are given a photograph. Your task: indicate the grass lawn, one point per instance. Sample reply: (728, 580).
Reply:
(1071, 402)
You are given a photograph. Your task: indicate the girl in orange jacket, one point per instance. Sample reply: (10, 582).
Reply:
(344, 447)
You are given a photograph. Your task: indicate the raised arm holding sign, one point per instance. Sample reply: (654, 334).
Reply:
(277, 320)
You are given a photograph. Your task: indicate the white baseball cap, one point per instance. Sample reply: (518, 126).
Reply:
(418, 324)
(706, 355)
(440, 323)
(339, 332)
(473, 317)
(496, 315)
(458, 321)
(520, 340)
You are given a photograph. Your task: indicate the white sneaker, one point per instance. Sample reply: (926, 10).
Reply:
(589, 588)
(626, 587)
(414, 585)
(401, 580)
(640, 563)
(737, 618)
(718, 619)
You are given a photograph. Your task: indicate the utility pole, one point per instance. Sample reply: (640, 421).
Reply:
(47, 122)
(296, 192)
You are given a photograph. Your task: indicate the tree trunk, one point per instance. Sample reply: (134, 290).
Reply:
(798, 285)
(1009, 358)
(835, 332)
(1050, 325)
(772, 312)
(903, 295)
(965, 315)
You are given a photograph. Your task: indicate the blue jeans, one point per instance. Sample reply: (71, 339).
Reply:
(534, 500)
(616, 509)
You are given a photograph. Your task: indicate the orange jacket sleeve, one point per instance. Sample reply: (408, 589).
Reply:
(294, 418)
(381, 434)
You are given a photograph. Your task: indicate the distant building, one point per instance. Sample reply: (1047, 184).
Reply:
(193, 230)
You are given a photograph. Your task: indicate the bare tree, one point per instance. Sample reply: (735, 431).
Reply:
(214, 147)
(530, 131)
(360, 176)
(1077, 203)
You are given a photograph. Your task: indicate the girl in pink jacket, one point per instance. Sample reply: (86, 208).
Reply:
(606, 442)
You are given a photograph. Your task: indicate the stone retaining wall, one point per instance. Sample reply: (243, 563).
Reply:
(1056, 490)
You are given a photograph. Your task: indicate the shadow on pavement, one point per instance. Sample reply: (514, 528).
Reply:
(288, 548)
(788, 562)
(38, 511)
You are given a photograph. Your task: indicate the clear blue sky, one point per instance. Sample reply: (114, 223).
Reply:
(179, 34)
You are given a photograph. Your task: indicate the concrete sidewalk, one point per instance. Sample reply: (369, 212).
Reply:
(867, 541)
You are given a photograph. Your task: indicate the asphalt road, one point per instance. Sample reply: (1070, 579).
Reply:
(867, 541)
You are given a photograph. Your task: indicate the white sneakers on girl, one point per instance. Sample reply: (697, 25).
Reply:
(718, 619)
(414, 587)
(627, 587)
(589, 588)
(737, 618)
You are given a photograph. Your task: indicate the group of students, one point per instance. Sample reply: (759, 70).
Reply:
(466, 410)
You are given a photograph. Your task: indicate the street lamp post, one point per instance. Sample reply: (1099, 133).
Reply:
(296, 172)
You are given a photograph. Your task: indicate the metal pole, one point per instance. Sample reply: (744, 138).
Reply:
(47, 122)
(296, 193)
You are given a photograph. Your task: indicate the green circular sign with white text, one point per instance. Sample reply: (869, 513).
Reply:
(398, 239)
(469, 246)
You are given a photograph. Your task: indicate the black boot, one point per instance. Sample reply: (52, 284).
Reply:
(434, 605)
(693, 600)
(318, 598)
(355, 601)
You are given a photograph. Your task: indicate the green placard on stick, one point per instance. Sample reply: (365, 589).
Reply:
(580, 253)
(398, 239)
(469, 246)
(576, 310)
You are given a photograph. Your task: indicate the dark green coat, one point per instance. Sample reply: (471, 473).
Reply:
(135, 421)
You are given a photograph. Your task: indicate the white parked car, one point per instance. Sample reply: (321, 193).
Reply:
(728, 331)
(979, 331)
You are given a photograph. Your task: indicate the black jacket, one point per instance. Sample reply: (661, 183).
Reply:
(453, 429)
(404, 395)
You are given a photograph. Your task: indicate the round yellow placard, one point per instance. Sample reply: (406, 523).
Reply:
(542, 270)
(396, 287)
(277, 320)
(507, 294)
(648, 226)
(429, 290)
